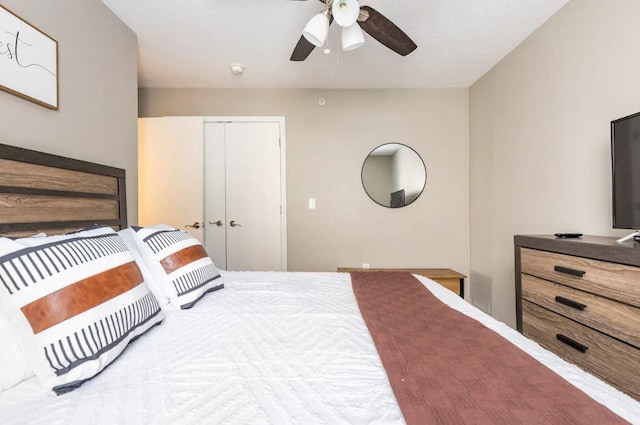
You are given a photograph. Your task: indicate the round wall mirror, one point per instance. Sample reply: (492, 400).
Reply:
(393, 175)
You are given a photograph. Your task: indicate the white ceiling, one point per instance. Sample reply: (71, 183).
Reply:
(191, 43)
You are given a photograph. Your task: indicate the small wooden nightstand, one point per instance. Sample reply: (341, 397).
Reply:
(448, 278)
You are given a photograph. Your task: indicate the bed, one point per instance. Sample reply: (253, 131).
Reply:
(269, 348)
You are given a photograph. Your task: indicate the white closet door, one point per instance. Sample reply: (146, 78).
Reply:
(170, 181)
(243, 191)
(214, 183)
(253, 196)
(236, 166)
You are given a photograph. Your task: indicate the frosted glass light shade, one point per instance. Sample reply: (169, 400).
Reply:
(352, 37)
(317, 29)
(345, 12)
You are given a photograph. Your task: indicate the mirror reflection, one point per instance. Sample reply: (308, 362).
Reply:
(393, 175)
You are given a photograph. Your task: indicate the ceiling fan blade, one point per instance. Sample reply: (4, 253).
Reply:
(386, 32)
(302, 50)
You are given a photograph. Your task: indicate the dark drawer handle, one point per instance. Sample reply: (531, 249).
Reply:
(571, 343)
(570, 303)
(567, 270)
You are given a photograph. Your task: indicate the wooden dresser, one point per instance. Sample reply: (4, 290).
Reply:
(580, 298)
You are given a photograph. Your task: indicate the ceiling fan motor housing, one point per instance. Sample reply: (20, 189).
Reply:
(345, 12)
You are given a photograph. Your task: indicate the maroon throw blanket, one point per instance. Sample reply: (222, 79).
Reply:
(446, 368)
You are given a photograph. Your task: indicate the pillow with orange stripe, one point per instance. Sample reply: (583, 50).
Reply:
(179, 263)
(76, 302)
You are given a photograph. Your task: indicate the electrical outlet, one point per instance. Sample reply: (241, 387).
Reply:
(312, 203)
(365, 266)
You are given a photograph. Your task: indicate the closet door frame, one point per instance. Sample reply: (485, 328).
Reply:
(283, 171)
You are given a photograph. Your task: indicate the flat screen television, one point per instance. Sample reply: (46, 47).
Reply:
(625, 159)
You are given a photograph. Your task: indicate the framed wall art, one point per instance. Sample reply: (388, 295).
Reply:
(28, 61)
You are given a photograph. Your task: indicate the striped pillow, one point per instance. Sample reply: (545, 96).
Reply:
(128, 236)
(179, 263)
(76, 301)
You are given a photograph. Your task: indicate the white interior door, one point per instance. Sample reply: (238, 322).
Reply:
(253, 196)
(245, 192)
(170, 175)
(215, 182)
(244, 180)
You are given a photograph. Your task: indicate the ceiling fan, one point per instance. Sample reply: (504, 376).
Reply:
(353, 19)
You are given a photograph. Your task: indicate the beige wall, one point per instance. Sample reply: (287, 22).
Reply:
(326, 146)
(97, 119)
(539, 143)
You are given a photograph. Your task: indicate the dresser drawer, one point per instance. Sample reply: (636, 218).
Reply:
(605, 357)
(611, 317)
(611, 280)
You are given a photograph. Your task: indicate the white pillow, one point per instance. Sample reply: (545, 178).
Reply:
(76, 302)
(14, 367)
(179, 263)
(128, 236)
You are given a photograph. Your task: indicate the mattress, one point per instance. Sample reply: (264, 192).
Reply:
(270, 348)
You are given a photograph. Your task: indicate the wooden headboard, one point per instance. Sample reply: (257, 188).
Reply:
(40, 192)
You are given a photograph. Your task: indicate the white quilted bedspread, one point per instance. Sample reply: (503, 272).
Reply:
(256, 352)
(270, 348)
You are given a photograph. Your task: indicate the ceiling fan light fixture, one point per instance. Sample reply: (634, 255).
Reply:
(317, 29)
(352, 37)
(345, 12)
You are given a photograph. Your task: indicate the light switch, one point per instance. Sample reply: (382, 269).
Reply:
(312, 203)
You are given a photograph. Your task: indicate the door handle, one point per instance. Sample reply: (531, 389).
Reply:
(195, 225)
(232, 223)
(217, 223)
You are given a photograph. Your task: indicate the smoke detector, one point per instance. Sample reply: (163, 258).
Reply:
(237, 69)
